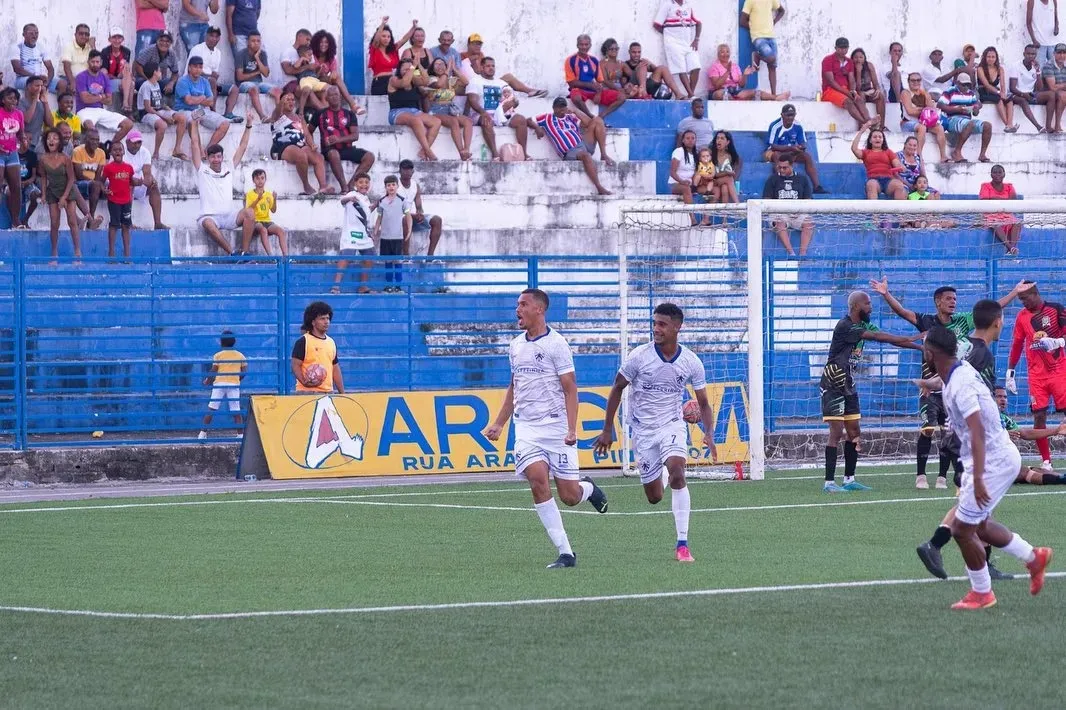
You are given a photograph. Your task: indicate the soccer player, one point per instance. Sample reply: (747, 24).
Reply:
(840, 400)
(314, 347)
(991, 463)
(542, 397)
(1041, 326)
(1028, 474)
(930, 404)
(659, 372)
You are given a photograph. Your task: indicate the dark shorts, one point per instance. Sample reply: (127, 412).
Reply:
(84, 187)
(391, 247)
(840, 405)
(990, 98)
(882, 183)
(379, 86)
(121, 215)
(931, 412)
(349, 153)
(276, 149)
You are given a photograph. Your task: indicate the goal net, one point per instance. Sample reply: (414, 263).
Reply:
(762, 320)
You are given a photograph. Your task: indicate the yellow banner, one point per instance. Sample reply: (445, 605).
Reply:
(389, 433)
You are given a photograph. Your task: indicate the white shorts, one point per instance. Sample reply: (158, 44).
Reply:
(140, 192)
(791, 221)
(681, 58)
(219, 393)
(225, 222)
(543, 441)
(102, 118)
(999, 476)
(654, 446)
(158, 122)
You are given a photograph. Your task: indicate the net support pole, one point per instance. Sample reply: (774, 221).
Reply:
(756, 392)
(623, 324)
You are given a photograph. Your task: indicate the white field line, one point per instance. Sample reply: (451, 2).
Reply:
(485, 604)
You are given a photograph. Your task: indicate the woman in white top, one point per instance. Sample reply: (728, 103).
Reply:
(683, 167)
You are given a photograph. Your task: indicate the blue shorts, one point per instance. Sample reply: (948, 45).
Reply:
(8, 160)
(192, 33)
(245, 87)
(145, 39)
(577, 150)
(958, 124)
(395, 113)
(882, 183)
(84, 187)
(422, 226)
(766, 47)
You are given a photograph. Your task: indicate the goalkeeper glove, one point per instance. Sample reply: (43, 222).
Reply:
(1011, 385)
(1049, 344)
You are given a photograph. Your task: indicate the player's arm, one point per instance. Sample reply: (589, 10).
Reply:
(338, 377)
(569, 384)
(210, 379)
(1021, 286)
(933, 384)
(506, 410)
(900, 341)
(1017, 343)
(1038, 434)
(881, 287)
(614, 399)
(707, 414)
(977, 446)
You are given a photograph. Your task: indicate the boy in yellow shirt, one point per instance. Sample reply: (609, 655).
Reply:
(227, 370)
(265, 204)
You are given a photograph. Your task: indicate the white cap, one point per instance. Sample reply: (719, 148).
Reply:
(116, 31)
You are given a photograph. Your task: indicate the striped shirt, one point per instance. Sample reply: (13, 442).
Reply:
(32, 58)
(955, 96)
(678, 21)
(564, 132)
(779, 135)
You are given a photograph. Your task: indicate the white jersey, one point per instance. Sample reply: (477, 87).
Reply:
(657, 385)
(536, 366)
(216, 189)
(964, 394)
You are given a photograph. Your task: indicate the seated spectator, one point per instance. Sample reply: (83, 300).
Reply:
(727, 80)
(265, 206)
(867, 83)
(785, 184)
(242, 19)
(703, 180)
(58, 187)
(644, 80)
(324, 50)
(1054, 73)
(918, 193)
(68, 143)
(35, 112)
(582, 73)
(440, 94)
(698, 123)
(1026, 88)
(162, 55)
(64, 113)
(838, 83)
(727, 167)
(93, 100)
(785, 138)
(913, 101)
(31, 179)
(75, 58)
(251, 67)
(417, 220)
(992, 88)
(299, 62)
(146, 189)
(968, 61)
(611, 68)
(1006, 228)
(194, 21)
(383, 57)
(214, 185)
(921, 190)
(574, 138)
(935, 79)
(293, 144)
(417, 52)
(211, 55)
(913, 167)
(444, 49)
(485, 97)
(89, 159)
(405, 109)
(338, 130)
(116, 63)
(155, 114)
(12, 124)
(151, 22)
(676, 20)
(961, 105)
(683, 162)
(28, 59)
(882, 165)
(895, 73)
(194, 97)
(759, 17)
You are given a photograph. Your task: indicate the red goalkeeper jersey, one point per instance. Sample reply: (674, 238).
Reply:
(1050, 319)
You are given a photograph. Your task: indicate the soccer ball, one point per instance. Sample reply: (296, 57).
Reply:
(928, 117)
(314, 375)
(691, 411)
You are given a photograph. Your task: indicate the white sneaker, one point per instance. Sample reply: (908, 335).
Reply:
(1046, 466)
(941, 483)
(240, 435)
(921, 483)
(202, 435)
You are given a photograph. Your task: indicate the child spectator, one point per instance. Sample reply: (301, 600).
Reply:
(356, 239)
(12, 125)
(117, 180)
(921, 190)
(64, 113)
(157, 115)
(703, 179)
(265, 204)
(31, 191)
(392, 211)
(228, 368)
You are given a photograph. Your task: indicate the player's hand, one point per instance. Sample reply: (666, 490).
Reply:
(1049, 345)
(922, 389)
(1016, 434)
(1024, 285)
(881, 286)
(708, 441)
(207, 381)
(571, 438)
(493, 432)
(606, 439)
(980, 495)
(1010, 384)
(1061, 431)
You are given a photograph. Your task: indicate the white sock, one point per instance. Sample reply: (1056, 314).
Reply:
(681, 504)
(980, 581)
(849, 479)
(1017, 547)
(553, 523)
(586, 490)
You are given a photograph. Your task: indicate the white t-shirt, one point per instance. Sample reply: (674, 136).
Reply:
(356, 232)
(1027, 78)
(536, 366)
(32, 58)
(408, 193)
(489, 90)
(678, 22)
(930, 74)
(138, 160)
(685, 171)
(212, 58)
(964, 394)
(216, 189)
(290, 55)
(657, 386)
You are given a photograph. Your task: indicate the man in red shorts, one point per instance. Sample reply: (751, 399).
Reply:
(582, 72)
(838, 83)
(1040, 331)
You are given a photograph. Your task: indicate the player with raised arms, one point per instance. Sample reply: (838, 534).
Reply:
(659, 372)
(840, 399)
(542, 398)
(991, 463)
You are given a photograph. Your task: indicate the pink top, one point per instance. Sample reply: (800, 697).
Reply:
(718, 70)
(879, 163)
(988, 192)
(150, 19)
(11, 124)
(330, 66)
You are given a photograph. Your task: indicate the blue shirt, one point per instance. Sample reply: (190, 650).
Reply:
(779, 135)
(245, 15)
(187, 87)
(453, 54)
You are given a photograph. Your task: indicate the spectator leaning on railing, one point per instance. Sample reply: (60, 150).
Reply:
(1006, 228)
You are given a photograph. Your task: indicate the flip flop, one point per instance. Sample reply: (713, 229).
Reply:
(179, 156)
(984, 160)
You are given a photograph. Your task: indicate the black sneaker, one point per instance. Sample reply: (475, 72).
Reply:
(598, 499)
(930, 557)
(994, 573)
(564, 561)
(820, 190)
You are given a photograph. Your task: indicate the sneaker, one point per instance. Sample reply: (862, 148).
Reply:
(683, 555)
(598, 498)
(930, 557)
(564, 561)
(1046, 466)
(941, 483)
(202, 435)
(975, 600)
(1037, 567)
(831, 487)
(856, 486)
(996, 574)
(921, 482)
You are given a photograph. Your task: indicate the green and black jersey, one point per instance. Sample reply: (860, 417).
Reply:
(961, 324)
(845, 350)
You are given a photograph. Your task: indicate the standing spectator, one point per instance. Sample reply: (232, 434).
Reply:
(838, 83)
(393, 212)
(89, 159)
(147, 188)
(935, 79)
(961, 105)
(338, 130)
(293, 144)
(683, 163)
(228, 368)
(316, 348)
(160, 54)
(726, 79)
(441, 96)
(1006, 228)
(1042, 23)
(93, 100)
(158, 116)
(444, 49)
(785, 184)
(867, 83)
(1026, 88)
(265, 206)
(242, 19)
(251, 67)
(116, 63)
(57, 184)
(759, 17)
(194, 97)
(484, 94)
(582, 74)
(677, 21)
(405, 109)
(574, 138)
(895, 73)
(324, 50)
(12, 125)
(785, 138)
(116, 183)
(151, 22)
(647, 81)
(912, 102)
(211, 55)
(64, 113)
(356, 235)
(417, 220)
(882, 165)
(75, 57)
(992, 83)
(727, 167)
(1054, 73)
(30, 175)
(698, 123)
(417, 52)
(28, 58)
(214, 185)
(194, 21)
(35, 111)
(912, 166)
(383, 57)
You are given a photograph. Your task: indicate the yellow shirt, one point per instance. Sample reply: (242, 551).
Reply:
(761, 17)
(73, 121)
(264, 208)
(77, 56)
(228, 366)
(93, 164)
(316, 351)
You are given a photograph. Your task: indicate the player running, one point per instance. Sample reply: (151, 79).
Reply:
(542, 397)
(1041, 326)
(930, 404)
(991, 463)
(659, 372)
(840, 399)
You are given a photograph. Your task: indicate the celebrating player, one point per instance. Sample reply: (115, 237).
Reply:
(930, 404)
(840, 400)
(314, 355)
(542, 397)
(1040, 326)
(659, 372)
(991, 463)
